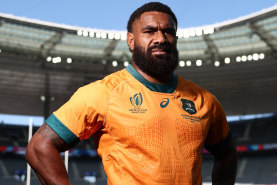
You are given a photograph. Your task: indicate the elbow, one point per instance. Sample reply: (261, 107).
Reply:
(35, 150)
(31, 151)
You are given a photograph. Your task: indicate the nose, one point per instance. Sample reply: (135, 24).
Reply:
(160, 37)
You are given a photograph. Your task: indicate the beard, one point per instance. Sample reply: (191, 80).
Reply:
(157, 66)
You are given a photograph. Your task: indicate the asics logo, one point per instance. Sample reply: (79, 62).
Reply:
(164, 103)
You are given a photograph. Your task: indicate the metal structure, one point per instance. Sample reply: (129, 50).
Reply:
(42, 63)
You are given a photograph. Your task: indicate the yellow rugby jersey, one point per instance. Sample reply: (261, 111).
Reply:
(146, 133)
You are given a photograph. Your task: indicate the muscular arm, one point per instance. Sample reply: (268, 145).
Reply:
(43, 155)
(225, 165)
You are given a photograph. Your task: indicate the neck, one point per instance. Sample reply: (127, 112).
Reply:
(165, 79)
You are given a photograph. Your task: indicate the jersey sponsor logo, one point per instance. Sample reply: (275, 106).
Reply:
(137, 100)
(164, 103)
(188, 106)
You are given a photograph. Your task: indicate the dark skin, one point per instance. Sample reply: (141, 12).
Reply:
(43, 155)
(150, 29)
(225, 165)
(43, 151)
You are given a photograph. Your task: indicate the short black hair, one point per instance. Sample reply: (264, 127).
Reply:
(150, 7)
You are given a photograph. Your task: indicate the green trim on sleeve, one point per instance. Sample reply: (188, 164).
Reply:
(218, 146)
(164, 88)
(61, 130)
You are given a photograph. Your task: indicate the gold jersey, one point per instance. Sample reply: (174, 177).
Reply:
(145, 133)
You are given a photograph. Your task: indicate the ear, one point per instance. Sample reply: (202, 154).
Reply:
(130, 41)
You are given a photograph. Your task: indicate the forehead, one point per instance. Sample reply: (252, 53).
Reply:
(155, 19)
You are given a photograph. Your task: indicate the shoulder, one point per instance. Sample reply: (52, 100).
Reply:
(108, 83)
(101, 89)
(113, 80)
(194, 90)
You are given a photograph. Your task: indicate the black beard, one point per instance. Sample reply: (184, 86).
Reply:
(159, 67)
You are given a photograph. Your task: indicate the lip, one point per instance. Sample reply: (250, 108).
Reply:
(159, 52)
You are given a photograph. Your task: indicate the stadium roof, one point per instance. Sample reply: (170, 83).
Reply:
(41, 60)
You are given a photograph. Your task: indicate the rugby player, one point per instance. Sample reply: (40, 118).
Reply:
(150, 125)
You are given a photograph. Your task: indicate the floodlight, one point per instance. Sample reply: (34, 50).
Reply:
(249, 57)
(255, 56)
(216, 63)
(243, 58)
(179, 34)
(126, 63)
(103, 35)
(198, 32)
(117, 36)
(199, 62)
(80, 32)
(69, 60)
(227, 60)
(188, 63)
(85, 33)
(91, 34)
(123, 36)
(111, 35)
(48, 59)
(261, 56)
(98, 35)
(182, 63)
(238, 59)
(211, 30)
(56, 60)
(208, 30)
(186, 34)
(114, 63)
(42, 98)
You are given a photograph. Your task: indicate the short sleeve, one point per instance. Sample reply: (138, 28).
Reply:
(219, 134)
(82, 115)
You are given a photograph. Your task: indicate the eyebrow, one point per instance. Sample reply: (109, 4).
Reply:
(148, 27)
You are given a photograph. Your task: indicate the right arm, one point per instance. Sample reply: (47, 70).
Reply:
(43, 155)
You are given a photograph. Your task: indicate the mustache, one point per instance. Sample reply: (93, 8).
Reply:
(165, 47)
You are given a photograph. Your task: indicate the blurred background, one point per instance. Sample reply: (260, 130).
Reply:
(228, 48)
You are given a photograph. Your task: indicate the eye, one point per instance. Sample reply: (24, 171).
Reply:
(148, 31)
(170, 32)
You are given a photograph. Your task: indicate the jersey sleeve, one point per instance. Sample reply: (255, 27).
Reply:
(219, 134)
(81, 116)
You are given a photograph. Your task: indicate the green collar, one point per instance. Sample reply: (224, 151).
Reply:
(164, 88)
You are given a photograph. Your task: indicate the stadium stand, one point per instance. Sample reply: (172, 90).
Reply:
(257, 166)
(257, 169)
(256, 131)
(233, 59)
(42, 64)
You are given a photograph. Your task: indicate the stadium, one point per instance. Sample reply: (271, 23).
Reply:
(42, 64)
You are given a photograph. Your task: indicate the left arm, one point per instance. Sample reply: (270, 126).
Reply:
(225, 165)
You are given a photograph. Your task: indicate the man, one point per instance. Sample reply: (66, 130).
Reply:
(149, 124)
